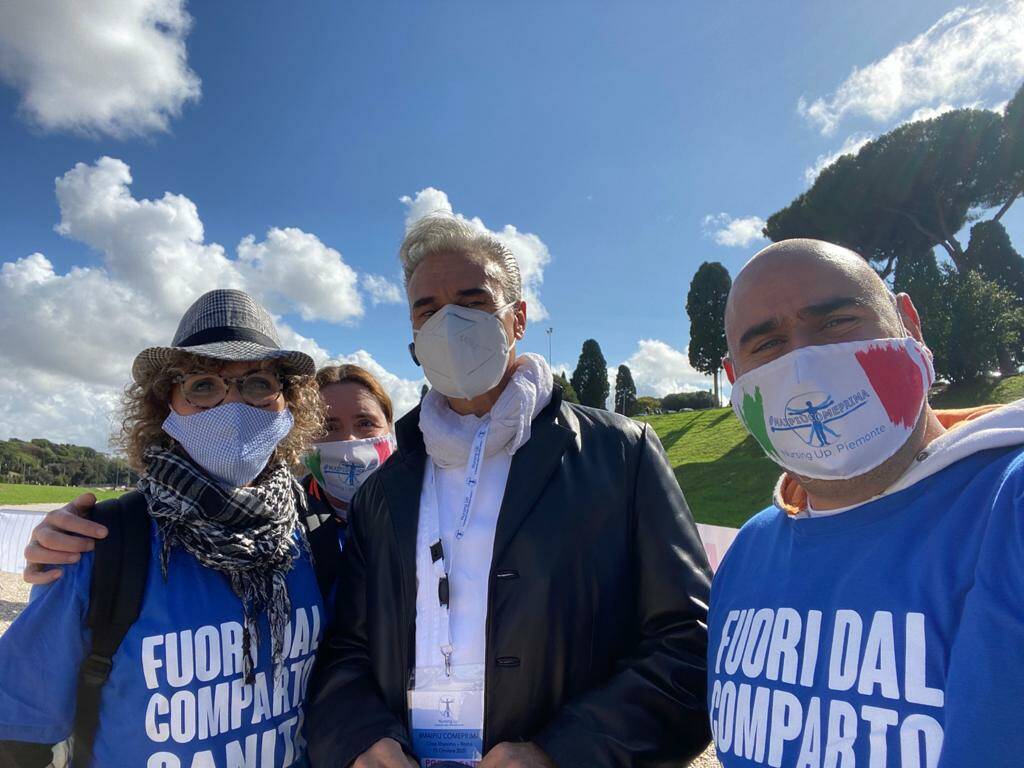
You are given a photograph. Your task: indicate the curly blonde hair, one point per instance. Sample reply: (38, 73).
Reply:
(146, 404)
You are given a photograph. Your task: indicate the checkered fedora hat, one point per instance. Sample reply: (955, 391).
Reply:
(225, 325)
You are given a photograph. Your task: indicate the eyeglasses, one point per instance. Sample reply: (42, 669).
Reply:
(208, 390)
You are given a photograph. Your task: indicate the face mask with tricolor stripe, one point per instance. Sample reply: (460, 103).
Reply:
(836, 411)
(342, 466)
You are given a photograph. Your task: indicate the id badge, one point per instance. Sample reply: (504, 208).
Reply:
(446, 716)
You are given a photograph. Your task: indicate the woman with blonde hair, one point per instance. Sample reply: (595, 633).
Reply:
(210, 661)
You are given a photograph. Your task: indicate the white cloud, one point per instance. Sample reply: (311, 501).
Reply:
(381, 290)
(530, 251)
(927, 113)
(659, 369)
(969, 56)
(741, 233)
(293, 270)
(36, 404)
(157, 247)
(565, 368)
(70, 337)
(851, 146)
(427, 201)
(117, 67)
(60, 325)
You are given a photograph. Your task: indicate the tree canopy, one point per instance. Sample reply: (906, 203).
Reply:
(625, 392)
(41, 462)
(590, 379)
(568, 393)
(705, 306)
(914, 188)
(979, 322)
(678, 401)
(994, 256)
(918, 275)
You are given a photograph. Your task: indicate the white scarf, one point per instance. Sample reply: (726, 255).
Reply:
(448, 435)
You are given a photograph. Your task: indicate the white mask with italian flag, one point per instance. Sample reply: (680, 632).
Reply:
(342, 466)
(836, 411)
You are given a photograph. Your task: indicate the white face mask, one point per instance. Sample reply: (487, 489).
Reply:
(342, 466)
(836, 411)
(464, 352)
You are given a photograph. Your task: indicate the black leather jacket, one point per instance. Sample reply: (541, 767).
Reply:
(596, 621)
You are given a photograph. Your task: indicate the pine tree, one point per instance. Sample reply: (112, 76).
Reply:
(992, 254)
(590, 379)
(625, 392)
(705, 305)
(919, 276)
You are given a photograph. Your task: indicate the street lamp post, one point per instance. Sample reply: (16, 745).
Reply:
(549, 332)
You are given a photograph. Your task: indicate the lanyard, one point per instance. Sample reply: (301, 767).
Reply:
(441, 561)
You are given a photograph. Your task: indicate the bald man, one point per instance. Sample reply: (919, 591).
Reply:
(873, 615)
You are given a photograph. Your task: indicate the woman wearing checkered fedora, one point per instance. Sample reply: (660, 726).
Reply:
(193, 647)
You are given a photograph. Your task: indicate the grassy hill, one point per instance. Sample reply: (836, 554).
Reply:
(722, 470)
(980, 392)
(725, 474)
(41, 462)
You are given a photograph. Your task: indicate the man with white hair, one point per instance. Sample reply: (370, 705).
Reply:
(522, 585)
(874, 614)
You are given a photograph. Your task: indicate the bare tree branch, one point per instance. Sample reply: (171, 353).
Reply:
(920, 228)
(1012, 199)
(887, 270)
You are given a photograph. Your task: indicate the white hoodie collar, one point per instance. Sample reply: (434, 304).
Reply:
(448, 435)
(1002, 428)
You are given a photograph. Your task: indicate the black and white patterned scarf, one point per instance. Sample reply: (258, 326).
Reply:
(245, 533)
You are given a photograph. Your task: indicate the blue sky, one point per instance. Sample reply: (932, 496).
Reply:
(609, 131)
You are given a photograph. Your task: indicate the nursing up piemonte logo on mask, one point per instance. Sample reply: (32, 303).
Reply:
(343, 465)
(836, 411)
(809, 415)
(349, 473)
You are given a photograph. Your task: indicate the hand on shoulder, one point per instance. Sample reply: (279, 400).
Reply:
(60, 539)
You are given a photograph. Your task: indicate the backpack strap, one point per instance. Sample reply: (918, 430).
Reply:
(120, 568)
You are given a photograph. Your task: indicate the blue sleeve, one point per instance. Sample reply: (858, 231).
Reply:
(985, 688)
(39, 658)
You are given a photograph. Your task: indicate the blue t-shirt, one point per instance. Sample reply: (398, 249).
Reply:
(888, 635)
(177, 696)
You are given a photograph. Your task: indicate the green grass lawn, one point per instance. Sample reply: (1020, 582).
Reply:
(14, 494)
(721, 469)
